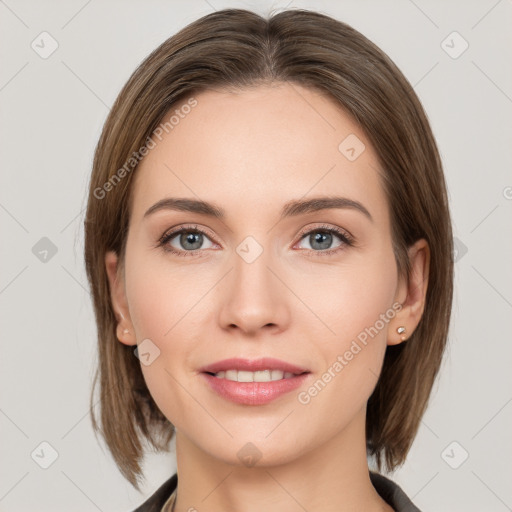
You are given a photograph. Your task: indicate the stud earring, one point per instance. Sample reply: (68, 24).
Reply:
(126, 331)
(401, 330)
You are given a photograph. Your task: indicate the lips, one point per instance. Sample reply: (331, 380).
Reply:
(218, 376)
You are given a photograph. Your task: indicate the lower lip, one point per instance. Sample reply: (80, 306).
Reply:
(253, 393)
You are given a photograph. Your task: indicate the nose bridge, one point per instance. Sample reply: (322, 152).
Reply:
(251, 262)
(253, 297)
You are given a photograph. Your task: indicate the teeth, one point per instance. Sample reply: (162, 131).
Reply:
(231, 375)
(245, 376)
(259, 376)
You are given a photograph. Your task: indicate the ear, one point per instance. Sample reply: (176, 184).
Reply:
(411, 295)
(125, 332)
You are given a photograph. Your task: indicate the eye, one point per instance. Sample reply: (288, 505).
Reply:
(185, 241)
(321, 238)
(189, 240)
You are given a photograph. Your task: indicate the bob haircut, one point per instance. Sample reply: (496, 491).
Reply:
(235, 49)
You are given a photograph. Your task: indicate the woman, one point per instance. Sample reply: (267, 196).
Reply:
(269, 248)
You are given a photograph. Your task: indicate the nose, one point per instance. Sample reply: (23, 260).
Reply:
(253, 298)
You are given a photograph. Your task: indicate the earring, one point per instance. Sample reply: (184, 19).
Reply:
(126, 331)
(401, 330)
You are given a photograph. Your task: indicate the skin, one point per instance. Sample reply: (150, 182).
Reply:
(250, 152)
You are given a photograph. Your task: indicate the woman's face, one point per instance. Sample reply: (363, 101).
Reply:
(265, 280)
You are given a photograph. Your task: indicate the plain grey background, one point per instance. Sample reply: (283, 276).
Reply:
(52, 110)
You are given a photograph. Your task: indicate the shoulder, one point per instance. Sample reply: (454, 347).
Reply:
(392, 493)
(156, 501)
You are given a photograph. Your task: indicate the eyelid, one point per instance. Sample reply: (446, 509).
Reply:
(184, 227)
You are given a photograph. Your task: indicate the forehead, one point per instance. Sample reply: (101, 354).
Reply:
(259, 146)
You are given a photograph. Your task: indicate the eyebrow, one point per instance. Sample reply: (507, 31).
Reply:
(290, 209)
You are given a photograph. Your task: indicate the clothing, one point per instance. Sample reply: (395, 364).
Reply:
(163, 498)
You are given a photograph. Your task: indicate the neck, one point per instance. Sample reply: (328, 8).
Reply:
(333, 477)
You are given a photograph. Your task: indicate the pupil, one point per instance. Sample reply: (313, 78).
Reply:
(318, 238)
(191, 238)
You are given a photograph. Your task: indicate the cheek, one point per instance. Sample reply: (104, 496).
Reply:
(349, 297)
(158, 309)
(162, 296)
(355, 306)
(152, 306)
(167, 306)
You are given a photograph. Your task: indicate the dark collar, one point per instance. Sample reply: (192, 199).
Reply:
(392, 494)
(389, 491)
(156, 501)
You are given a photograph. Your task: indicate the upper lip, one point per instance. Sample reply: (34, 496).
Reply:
(254, 365)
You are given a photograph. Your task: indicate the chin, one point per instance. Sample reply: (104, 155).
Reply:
(252, 450)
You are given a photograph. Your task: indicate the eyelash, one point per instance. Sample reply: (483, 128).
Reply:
(347, 240)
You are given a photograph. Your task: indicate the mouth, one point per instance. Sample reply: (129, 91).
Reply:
(258, 376)
(254, 382)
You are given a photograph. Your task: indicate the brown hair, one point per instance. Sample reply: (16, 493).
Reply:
(235, 48)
